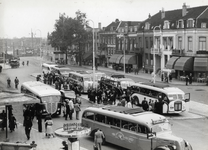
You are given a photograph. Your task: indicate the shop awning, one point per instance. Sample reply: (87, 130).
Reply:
(118, 59)
(171, 62)
(201, 64)
(129, 59)
(87, 55)
(113, 58)
(184, 64)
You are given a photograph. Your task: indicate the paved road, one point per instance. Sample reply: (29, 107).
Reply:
(194, 124)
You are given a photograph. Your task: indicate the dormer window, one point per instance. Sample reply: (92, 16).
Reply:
(166, 25)
(190, 23)
(203, 25)
(147, 26)
(112, 28)
(180, 24)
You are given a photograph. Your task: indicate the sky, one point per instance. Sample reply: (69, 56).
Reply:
(18, 18)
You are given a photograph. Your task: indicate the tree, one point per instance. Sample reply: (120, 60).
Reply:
(63, 37)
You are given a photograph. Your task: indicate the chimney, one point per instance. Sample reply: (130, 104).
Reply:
(162, 14)
(184, 9)
(99, 25)
(149, 16)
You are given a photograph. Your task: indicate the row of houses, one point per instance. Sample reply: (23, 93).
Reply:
(173, 39)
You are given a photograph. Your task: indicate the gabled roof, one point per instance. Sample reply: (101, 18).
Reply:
(174, 15)
(130, 23)
(113, 24)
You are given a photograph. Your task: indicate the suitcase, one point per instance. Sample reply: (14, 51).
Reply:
(95, 147)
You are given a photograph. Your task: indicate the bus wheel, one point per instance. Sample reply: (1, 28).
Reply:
(136, 100)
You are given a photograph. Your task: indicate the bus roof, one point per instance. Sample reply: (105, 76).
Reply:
(165, 88)
(136, 115)
(40, 88)
(82, 74)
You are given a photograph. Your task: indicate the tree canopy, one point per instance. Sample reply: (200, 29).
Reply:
(68, 31)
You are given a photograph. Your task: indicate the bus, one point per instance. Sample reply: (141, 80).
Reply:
(81, 78)
(62, 70)
(132, 128)
(111, 82)
(163, 98)
(48, 96)
(46, 67)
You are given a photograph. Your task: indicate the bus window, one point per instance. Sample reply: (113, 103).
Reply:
(116, 122)
(89, 115)
(100, 118)
(124, 124)
(109, 120)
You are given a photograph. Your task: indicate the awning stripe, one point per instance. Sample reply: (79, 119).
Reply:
(171, 62)
(129, 59)
(201, 64)
(118, 59)
(184, 64)
(113, 58)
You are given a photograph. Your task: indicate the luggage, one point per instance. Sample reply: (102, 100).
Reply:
(95, 147)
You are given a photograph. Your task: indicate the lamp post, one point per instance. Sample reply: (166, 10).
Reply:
(124, 52)
(154, 48)
(93, 48)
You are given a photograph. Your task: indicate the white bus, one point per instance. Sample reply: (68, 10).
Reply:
(62, 70)
(81, 78)
(50, 97)
(46, 67)
(132, 128)
(163, 98)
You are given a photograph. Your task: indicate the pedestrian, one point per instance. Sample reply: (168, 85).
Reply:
(129, 104)
(0, 68)
(65, 145)
(39, 116)
(8, 82)
(77, 109)
(162, 76)
(145, 105)
(187, 80)
(71, 108)
(170, 77)
(49, 127)
(16, 82)
(4, 119)
(23, 63)
(190, 78)
(98, 139)
(28, 126)
(27, 62)
(12, 123)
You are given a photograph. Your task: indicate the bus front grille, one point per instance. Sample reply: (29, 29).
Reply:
(178, 106)
(51, 107)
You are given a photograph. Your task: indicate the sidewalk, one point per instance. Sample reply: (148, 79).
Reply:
(42, 142)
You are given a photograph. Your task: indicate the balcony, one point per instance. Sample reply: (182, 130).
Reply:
(178, 52)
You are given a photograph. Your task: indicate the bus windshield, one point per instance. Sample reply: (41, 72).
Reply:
(161, 127)
(51, 98)
(175, 96)
(87, 79)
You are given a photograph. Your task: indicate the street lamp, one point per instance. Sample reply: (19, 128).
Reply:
(93, 67)
(154, 48)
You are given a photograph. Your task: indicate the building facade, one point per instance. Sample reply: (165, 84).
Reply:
(179, 41)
